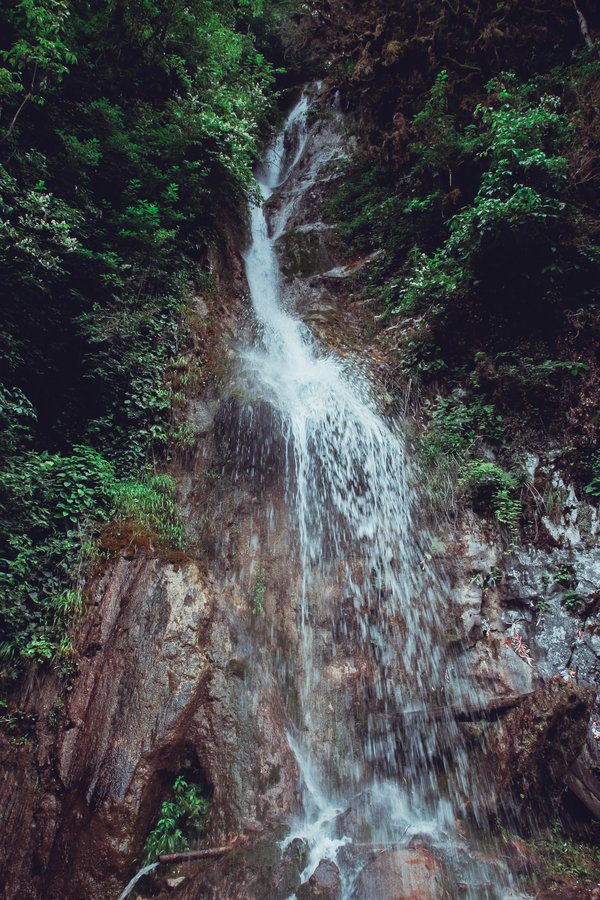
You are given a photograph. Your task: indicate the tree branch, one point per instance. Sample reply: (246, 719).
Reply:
(583, 27)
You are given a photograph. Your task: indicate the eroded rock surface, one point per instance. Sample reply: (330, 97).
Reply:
(246, 873)
(165, 684)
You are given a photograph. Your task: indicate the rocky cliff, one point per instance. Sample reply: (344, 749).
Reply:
(192, 662)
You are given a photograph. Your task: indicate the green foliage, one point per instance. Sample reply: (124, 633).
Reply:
(370, 211)
(50, 504)
(441, 145)
(593, 487)
(152, 504)
(564, 575)
(486, 484)
(521, 139)
(181, 819)
(459, 425)
(571, 600)
(432, 281)
(488, 260)
(128, 130)
(17, 725)
(17, 416)
(515, 208)
(150, 125)
(260, 586)
(525, 367)
(564, 857)
(459, 422)
(38, 57)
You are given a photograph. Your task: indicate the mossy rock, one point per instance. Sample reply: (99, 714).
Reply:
(303, 253)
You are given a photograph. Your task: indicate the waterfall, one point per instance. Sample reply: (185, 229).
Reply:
(353, 507)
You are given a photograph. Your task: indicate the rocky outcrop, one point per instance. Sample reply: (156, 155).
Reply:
(246, 873)
(530, 757)
(164, 686)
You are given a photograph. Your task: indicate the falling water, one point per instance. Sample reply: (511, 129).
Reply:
(353, 507)
(137, 877)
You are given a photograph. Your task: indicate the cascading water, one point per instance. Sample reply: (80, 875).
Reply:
(372, 745)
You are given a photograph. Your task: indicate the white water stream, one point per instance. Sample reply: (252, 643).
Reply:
(354, 510)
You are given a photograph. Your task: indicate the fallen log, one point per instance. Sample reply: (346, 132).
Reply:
(208, 853)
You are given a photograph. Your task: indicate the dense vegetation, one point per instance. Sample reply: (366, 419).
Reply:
(127, 128)
(477, 179)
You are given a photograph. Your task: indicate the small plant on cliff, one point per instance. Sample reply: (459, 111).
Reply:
(260, 586)
(182, 818)
(485, 483)
(593, 488)
(152, 503)
(563, 857)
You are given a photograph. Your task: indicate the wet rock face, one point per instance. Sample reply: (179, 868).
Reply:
(324, 883)
(307, 250)
(568, 891)
(251, 441)
(401, 875)
(537, 743)
(156, 693)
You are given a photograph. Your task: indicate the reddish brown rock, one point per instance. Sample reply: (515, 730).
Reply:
(245, 873)
(538, 741)
(156, 694)
(401, 875)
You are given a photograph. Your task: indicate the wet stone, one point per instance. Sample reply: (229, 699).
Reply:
(251, 440)
(323, 884)
(351, 823)
(297, 851)
(537, 744)
(285, 879)
(401, 875)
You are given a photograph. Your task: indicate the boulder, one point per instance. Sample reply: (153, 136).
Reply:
(401, 875)
(324, 883)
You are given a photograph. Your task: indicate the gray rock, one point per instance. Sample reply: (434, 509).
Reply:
(324, 884)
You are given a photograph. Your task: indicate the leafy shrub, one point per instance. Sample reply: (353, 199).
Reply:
(460, 420)
(181, 819)
(441, 145)
(431, 283)
(50, 505)
(484, 483)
